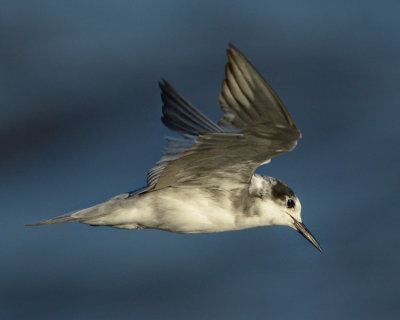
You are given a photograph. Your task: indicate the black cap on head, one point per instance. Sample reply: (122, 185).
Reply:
(281, 190)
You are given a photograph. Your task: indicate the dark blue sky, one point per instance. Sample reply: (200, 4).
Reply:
(80, 122)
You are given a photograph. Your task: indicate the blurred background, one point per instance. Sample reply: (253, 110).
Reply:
(80, 122)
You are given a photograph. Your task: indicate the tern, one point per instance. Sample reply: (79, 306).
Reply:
(206, 180)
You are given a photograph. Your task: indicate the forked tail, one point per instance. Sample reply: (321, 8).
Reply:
(76, 216)
(61, 219)
(88, 215)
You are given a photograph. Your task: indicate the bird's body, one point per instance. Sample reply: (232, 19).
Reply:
(188, 210)
(170, 209)
(205, 182)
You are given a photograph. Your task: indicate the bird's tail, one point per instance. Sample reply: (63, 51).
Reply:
(88, 215)
(76, 216)
(61, 219)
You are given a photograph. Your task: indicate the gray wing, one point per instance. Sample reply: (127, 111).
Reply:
(181, 116)
(219, 158)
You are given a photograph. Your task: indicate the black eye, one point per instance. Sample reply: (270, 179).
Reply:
(290, 203)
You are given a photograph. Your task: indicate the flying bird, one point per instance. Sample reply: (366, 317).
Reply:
(206, 180)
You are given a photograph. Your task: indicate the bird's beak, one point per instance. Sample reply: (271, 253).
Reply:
(302, 229)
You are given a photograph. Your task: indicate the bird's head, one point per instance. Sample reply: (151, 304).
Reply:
(279, 205)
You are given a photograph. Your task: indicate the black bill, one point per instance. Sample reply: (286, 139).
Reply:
(302, 229)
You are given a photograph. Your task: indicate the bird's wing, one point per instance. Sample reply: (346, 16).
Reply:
(181, 116)
(264, 129)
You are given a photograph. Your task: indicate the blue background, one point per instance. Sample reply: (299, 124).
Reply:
(79, 123)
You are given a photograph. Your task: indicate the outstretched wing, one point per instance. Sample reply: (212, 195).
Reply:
(219, 158)
(181, 116)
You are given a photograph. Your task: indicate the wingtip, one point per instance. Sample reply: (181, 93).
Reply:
(232, 50)
(166, 86)
(231, 46)
(162, 83)
(236, 56)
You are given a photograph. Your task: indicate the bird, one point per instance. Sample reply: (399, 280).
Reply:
(206, 182)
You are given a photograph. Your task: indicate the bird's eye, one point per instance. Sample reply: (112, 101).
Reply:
(290, 203)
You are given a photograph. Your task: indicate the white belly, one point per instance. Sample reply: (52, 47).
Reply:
(178, 210)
